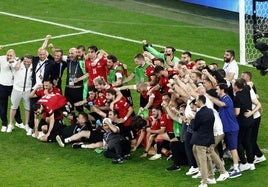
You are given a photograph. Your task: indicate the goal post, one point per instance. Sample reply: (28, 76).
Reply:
(253, 27)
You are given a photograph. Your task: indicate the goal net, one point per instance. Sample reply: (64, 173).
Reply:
(253, 28)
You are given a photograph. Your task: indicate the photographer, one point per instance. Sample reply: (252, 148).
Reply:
(262, 62)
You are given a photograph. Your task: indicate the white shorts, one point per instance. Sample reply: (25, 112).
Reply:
(16, 97)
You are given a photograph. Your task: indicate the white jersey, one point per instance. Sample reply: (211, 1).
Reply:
(231, 67)
(22, 79)
(6, 72)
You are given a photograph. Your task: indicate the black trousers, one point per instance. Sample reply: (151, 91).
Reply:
(31, 118)
(245, 144)
(189, 150)
(118, 150)
(127, 94)
(74, 95)
(178, 153)
(5, 92)
(254, 136)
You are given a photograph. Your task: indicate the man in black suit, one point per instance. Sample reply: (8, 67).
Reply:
(43, 69)
(202, 138)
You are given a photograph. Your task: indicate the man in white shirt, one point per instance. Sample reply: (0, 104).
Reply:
(21, 89)
(230, 66)
(6, 85)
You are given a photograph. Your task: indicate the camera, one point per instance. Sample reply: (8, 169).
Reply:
(262, 62)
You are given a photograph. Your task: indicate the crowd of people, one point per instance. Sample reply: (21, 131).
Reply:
(190, 112)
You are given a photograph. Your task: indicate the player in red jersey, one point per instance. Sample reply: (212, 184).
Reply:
(153, 98)
(165, 133)
(95, 65)
(38, 92)
(152, 131)
(125, 112)
(94, 103)
(46, 88)
(186, 59)
(50, 107)
(163, 76)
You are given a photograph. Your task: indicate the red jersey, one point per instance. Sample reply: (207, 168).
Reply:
(156, 94)
(163, 81)
(51, 103)
(122, 107)
(190, 65)
(41, 92)
(102, 93)
(149, 72)
(166, 122)
(154, 126)
(94, 71)
(100, 101)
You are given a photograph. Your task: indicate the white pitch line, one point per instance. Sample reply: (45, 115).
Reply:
(97, 33)
(42, 39)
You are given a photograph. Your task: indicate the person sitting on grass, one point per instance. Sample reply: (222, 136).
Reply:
(157, 132)
(151, 132)
(139, 123)
(125, 113)
(81, 132)
(115, 145)
(98, 135)
(95, 104)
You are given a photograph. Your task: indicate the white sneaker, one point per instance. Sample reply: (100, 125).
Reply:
(235, 173)
(169, 157)
(252, 166)
(58, 138)
(26, 127)
(20, 125)
(192, 171)
(202, 185)
(198, 175)
(40, 135)
(10, 127)
(211, 181)
(259, 159)
(155, 157)
(29, 132)
(244, 167)
(4, 129)
(223, 177)
(34, 135)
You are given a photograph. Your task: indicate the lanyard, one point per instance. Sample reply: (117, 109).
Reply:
(70, 69)
(78, 129)
(60, 70)
(39, 68)
(25, 78)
